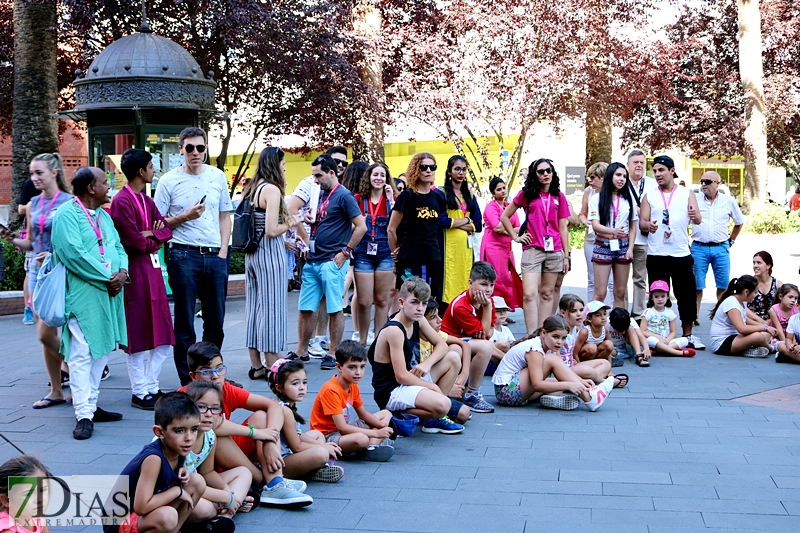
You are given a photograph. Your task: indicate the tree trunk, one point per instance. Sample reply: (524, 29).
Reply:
(34, 124)
(599, 140)
(751, 72)
(368, 135)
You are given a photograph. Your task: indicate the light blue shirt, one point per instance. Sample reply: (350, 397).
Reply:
(177, 191)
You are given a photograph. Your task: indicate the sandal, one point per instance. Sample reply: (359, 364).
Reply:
(641, 361)
(248, 503)
(252, 373)
(48, 402)
(620, 381)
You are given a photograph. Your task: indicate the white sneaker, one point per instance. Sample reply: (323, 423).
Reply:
(694, 340)
(758, 352)
(565, 402)
(325, 342)
(371, 337)
(599, 393)
(356, 336)
(316, 351)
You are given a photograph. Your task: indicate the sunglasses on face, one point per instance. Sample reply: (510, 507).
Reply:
(707, 182)
(423, 168)
(191, 148)
(543, 171)
(342, 163)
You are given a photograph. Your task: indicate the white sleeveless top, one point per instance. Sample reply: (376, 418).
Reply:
(678, 243)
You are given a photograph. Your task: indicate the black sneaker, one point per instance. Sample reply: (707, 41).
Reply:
(148, 403)
(106, 373)
(218, 524)
(83, 430)
(64, 379)
(328, 363)
(101, 415)
(347, 311)
(291, 356)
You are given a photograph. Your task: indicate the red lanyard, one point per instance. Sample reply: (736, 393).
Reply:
(322, 210)
(94, 226)
(43, 214)
(616, 211)
(373, 214)
(141, 208)
(671, 195)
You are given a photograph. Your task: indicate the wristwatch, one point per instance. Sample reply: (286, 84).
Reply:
(731, 241)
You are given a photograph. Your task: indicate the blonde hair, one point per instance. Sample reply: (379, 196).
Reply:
(413, 172)
(54, 162)
(597, 169)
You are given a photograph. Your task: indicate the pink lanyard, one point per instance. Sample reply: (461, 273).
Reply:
(43, 214)
(666, 204)
(546, 211)
(141, 208)
(616, 211)
(94, 226)
(462, 205)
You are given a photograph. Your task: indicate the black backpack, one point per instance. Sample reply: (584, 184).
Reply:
(245, 235)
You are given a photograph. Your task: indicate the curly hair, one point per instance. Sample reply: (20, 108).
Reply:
(413, 172)
(365, 188)
(532, 183)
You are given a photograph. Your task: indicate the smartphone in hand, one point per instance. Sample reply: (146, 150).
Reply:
(203, 199)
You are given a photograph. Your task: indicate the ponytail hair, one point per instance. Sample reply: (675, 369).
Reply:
(783, 290)
(736, 286)
(54, 162)
(551, 323)
(277, 376)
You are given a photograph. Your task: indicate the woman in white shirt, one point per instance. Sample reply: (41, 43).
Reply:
(730, 333)
(612, 219)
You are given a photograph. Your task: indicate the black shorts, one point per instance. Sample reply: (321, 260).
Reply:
(727, 344)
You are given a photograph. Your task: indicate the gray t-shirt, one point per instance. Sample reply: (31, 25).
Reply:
(42, 212)
(334, 227)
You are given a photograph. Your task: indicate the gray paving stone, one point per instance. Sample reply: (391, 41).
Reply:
(670, 519)
(663, 491)
(787, 482)
(658, 478)
(704, 505)
(753, 522)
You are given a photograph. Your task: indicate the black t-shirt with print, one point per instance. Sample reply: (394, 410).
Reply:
(420, 227)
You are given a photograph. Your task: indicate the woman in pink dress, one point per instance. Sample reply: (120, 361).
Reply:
(496, 246)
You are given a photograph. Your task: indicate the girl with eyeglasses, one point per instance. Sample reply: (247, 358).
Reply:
(545, 241)
(463, 210)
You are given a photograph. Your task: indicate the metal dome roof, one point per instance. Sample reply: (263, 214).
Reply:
(143, 71)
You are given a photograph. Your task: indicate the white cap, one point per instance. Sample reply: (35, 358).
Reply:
(499, 302)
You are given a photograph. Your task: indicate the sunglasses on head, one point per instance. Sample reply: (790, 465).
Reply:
(191, 148)
(543, 171)
(428, 167)
(707, 182)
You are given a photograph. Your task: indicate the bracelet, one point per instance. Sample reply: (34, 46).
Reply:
(765, 327)
(252, 430)
(232, 500)
(180, 486)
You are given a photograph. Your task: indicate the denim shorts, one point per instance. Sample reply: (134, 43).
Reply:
(322, 278)
(366, 263)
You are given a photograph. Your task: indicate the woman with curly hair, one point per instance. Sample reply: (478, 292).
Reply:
(545, 240)
(465, 216)
(414, 226)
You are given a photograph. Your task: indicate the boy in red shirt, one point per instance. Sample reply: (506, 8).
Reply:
(340, 415)
(256, 439)
(471, 316)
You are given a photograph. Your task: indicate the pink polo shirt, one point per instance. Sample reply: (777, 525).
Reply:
(556, 210)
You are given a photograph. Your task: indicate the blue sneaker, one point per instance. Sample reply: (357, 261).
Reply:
(442, 425)
(27, 318)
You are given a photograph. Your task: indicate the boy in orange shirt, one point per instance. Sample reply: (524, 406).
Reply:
(340, 415)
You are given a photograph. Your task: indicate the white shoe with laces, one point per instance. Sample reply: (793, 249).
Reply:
(694, 340)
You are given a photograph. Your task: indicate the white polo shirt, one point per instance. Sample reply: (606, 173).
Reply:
(716, 214)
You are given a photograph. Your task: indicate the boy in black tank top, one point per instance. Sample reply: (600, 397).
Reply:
(400, 381)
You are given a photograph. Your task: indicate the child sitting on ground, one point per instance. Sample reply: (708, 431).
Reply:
(789, 350)
(524, 370)
(20, 500)
(659, 324)
(627, 338)
(592, 341)
(502, 338)
(783, 309)
(458, 349)
(302, 452)
(399, 385)
(597, 370)
(256, 440)
(471, 316)
(730, 332)
(340, 415)
(226, 490)
(161, 490)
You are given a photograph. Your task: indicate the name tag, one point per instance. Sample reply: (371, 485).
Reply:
(549, 246)
(372, 248)
(311, 247)
(155, 260)
(613, 245)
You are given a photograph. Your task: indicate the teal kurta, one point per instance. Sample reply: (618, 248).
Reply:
(101, 317)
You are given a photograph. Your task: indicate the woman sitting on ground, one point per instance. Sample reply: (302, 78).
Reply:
(730, 333)
(767, 285)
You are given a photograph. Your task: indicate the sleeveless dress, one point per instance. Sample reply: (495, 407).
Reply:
(265, 291)
(762, 303)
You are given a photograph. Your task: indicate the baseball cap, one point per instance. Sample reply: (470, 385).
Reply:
(664, 160)
(594, 306)
(499, 302)
(659, 285)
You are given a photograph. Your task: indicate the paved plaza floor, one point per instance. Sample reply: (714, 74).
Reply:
(675, 451)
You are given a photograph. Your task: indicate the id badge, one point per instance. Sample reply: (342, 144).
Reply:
(372, 248)
(613, 245)
(548, 244)
(311, 247)
(154, 259)
(667, 234)
(106, 264)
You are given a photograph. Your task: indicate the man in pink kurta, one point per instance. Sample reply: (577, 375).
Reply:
(142, 231)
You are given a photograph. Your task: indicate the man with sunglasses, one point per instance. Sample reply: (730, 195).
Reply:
(710, 240)
(639, 184)
(193, 199)
(666, 212)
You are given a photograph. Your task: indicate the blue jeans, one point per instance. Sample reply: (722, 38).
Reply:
(193, 275)
(720, 260)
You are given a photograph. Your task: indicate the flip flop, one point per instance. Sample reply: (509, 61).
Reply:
(620, 378)
(49, 402)
(248, 503)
